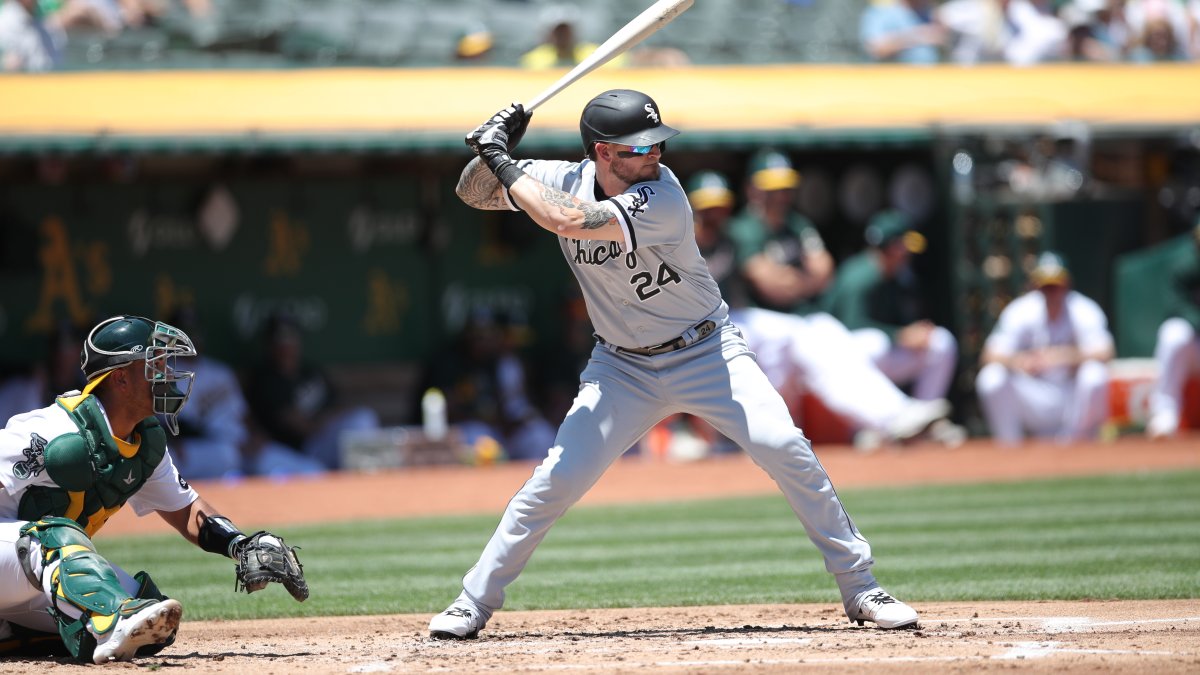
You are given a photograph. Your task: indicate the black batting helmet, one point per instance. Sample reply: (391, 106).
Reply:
(622, 116)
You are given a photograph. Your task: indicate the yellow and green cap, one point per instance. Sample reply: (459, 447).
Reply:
(473, 41)
(886, 227)
(1050, 270)
(772, 170)
(709, 189)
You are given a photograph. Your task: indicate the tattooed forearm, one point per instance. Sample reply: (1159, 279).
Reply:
(477, 187)
(594, 215)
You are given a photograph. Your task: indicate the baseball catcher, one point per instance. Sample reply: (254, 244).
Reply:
(67, 468)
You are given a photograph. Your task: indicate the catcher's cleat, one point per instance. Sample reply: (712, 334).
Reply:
(138, 623)
(461, 621)
(879, 606)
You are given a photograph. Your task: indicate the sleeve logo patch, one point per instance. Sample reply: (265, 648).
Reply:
(183, 483)
(640, 201)
(34, 462)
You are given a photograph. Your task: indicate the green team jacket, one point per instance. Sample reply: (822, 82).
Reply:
(94, 473)
(1184, 293)
(787, 245)
(861, 297)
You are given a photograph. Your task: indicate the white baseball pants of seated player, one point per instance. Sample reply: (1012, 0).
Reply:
(1177, 356)
(929, 371)
(23, 603)
(621, 396)
(1066, 409)
(818, 351)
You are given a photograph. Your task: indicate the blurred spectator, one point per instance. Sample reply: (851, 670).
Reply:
(1157, 42)
(217, 437)
(560, 47)
(1194, 16)
(484, 380)
(1045, 364)
(1177, 349)
(1021, 32)
(474, 45)
(56, 373)
(902, 31)
(815, 352)
(294, 400)
(109, 16)
(780, 253)
(28, 40)
(877, 295)
(1092, 35)
(1160, 30)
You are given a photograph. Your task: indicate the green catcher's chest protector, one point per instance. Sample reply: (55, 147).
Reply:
(94, 478)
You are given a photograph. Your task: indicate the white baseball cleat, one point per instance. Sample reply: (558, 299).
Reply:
(1162, 425)
(879, 606)
(139, 623)
(461, 621)
(916, 417)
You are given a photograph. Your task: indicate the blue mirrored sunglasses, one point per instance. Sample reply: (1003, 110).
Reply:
(635, 150)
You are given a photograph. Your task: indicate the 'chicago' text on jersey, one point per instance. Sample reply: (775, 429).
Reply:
(595, 252)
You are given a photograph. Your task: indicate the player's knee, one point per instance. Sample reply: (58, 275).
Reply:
(1092, 376)
(942, 344)
(1175, 333)
(991, 379)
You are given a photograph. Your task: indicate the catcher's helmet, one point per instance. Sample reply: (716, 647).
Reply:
(622, 116)
(121, 340)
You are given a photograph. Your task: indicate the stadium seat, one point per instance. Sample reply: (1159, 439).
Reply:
(321, 32)
(387, 31)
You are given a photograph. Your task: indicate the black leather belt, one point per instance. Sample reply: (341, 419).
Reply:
(694, 334)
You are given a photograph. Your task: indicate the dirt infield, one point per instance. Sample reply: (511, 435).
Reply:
(1096, 636)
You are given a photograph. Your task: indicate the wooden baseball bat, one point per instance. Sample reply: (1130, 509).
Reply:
(639, 28)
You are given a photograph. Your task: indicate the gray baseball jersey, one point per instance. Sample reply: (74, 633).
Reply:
(655, 285)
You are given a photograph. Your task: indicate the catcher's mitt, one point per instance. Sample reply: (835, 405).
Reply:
(262, 558)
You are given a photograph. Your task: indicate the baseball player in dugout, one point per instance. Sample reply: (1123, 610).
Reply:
(1177, 346)
(1045, 364)
(664, 345)
(68, 467)
(780, 253)
(877, 295)
(811, 352)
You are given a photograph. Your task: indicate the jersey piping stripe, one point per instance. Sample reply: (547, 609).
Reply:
(626, 226)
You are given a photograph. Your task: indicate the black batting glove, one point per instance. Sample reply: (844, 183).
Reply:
(492, 140)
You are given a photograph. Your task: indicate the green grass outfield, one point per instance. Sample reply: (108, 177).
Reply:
(1131, 537)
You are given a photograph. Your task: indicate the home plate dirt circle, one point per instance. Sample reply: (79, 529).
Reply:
(1096, 636)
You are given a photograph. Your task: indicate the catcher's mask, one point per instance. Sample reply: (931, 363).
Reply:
(120, 340)
(622, 116)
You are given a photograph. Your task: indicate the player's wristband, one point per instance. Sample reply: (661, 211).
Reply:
(505, 169)
(218, 535)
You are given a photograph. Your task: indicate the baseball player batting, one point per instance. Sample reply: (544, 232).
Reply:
(68, 467)
(664, 345)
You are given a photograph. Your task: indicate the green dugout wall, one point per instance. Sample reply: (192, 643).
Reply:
(381, 268)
